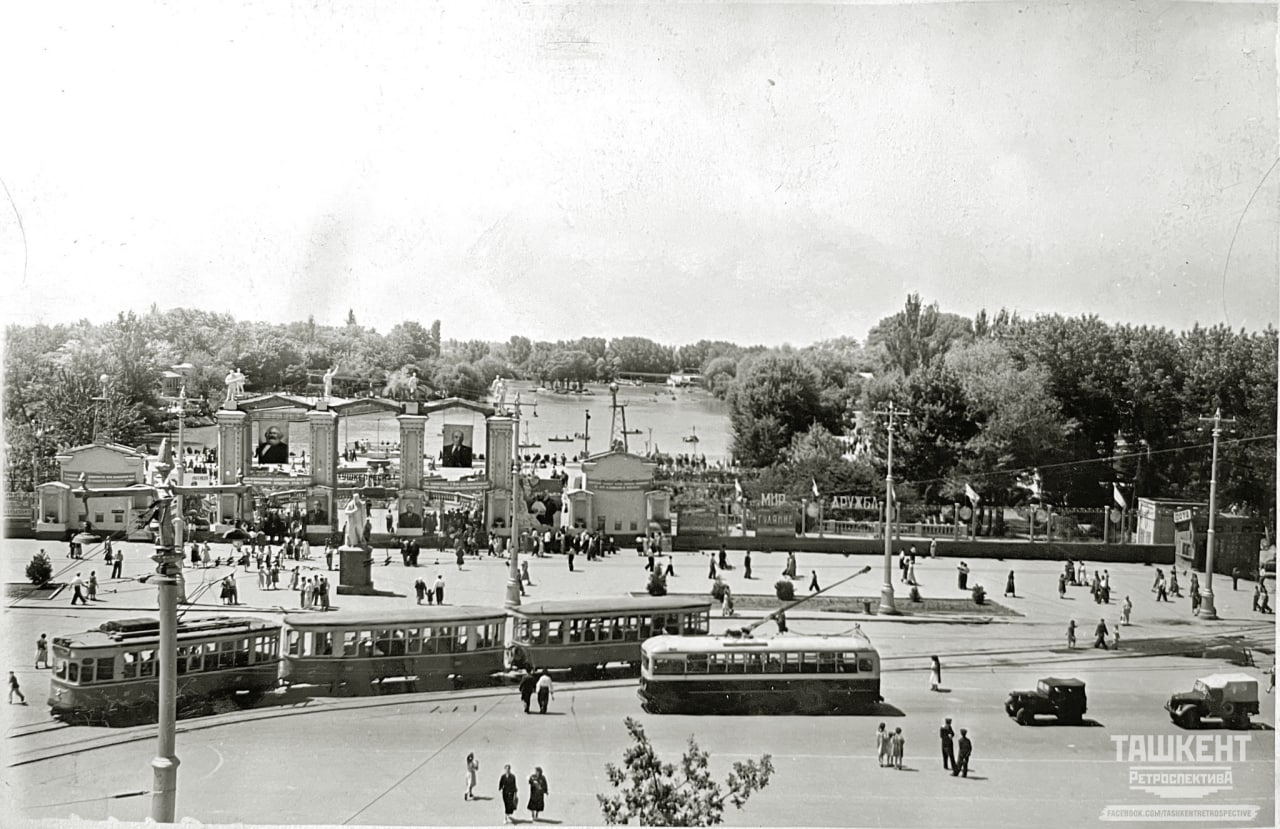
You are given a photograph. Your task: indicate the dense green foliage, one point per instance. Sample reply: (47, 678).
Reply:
(654, 793)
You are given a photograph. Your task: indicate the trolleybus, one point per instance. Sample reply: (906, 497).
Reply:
(744, 675)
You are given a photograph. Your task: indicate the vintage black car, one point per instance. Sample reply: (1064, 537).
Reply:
(1063, 698)
(1231, 698)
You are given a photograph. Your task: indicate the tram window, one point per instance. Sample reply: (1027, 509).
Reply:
(147, 663)
(849, 663)
(790, 663)
(667, 665)
(194, 658)
(646, 627)
(826, 663)
(442, 641)
(810, 664)
(632, 629)
(180, 663)
(349, 643)
(106, 669)
(773, 665)
(555, 632)
(538, 633)
(654, 625)
(460, 642)
(575, 630)
(86, 670)
(737, 663)
(240, 656)
(716, 663)
(383, 642)
(865, 665)
(696, 663)
(61, 670)
(415, 640)
(493, 636)
(73, 672)
(755, 665)
(293, 640)
(672, 625)
(588, 630)
(615, 630)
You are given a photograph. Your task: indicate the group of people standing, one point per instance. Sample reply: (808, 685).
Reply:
(891, 748)
(509, 788)
(433, 592)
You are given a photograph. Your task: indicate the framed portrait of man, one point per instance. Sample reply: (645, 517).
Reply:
(273, 445)
(457, 446)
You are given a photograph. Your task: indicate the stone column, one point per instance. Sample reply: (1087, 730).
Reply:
(413, 432)
(234, 448)
(324, 474)
(500, 433)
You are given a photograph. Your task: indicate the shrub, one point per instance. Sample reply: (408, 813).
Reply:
(979, 594)
(717, 590)
(40, 570)
(657, 584)
(785, 589)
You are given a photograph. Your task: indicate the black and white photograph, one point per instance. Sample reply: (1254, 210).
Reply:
(481, 412)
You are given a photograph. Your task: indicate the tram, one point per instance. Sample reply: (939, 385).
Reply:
(744, 675)
(417, 648)
(587, 634)
(112, 671)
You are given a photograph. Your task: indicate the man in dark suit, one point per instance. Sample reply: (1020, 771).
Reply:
(273, 449)
(948, 751)
(457, 454)
(966, 748)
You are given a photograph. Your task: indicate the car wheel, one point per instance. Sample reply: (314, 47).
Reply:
(1239, 722)
(1025, 717)
(1191, 718)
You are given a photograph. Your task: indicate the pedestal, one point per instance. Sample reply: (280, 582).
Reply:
(354, 576)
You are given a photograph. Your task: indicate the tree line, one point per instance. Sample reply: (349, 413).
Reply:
(988, 399)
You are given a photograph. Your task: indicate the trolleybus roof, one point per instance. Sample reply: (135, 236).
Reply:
(772, 644)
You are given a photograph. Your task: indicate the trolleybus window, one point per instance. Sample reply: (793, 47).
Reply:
(864, 664)
(737, 663)
(773, 665)
(667, 665)
(790, 663)
(827, 663)
(696, 663)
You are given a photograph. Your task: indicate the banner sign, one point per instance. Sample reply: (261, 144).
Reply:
(1182, 515)
(862, 502)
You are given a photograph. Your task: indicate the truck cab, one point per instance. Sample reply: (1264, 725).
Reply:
(1229, 698)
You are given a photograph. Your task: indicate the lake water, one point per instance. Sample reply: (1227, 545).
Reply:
(664, 417)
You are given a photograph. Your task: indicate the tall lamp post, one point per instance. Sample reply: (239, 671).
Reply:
(1207, 610)
(164, 786)
(887, 606)
(517, 508)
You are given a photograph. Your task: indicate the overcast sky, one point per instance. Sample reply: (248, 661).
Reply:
(750, 172)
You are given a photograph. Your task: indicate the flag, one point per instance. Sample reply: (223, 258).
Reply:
(737, 487)
(1119, 497)
(815, 488)
(972, 495)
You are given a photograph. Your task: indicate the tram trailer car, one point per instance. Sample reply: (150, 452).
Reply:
(743, 675)
(355, 653)
(588, 634)
(112, 671)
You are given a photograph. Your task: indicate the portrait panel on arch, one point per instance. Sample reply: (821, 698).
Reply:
(457, 446)
(273, 444)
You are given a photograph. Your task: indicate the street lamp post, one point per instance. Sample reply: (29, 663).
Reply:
(1207, 610)
(164, 787)
(517, 507)
(887, 606)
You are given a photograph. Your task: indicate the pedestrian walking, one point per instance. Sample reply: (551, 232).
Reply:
(724, 558)
(1009, 587)
(473, 768)
(902, 566)
(882, 746)
(461, 555)
(439, 588)
(1257, 597)
(966, 749)
(528, 684)
(1062, 585)
(116, 564)
(935, 674)
(962, 575)
(711, 574)
(525, 578)
(1071, 633)
(947, 735)
(911, 571)
(570, 557)
(746, 565)
(77, 590)
(328, 555)
(293, 578)
(671, 566)
(42, 651)
(1264, 599)
(93, 586)
(813, 582)
(545, 691)
(324, 593)
(1100, 635)
(1125, 610)
(899, 748)
(933, 548)
(1115, 637)
(1195, 602)
(649, 561)
(1235, 578)
(1173, 584)
(537, 792)
(510, 794)
(420, 588)
(14, 688)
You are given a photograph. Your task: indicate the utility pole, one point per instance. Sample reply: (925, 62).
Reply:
(517, 510)
(585, 434)
(887, 606)
(1207, 610)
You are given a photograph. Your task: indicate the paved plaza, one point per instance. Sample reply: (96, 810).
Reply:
(399, 759)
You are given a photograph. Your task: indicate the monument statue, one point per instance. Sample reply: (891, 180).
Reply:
(328, 380)
(235, 384)
(498, 390)
(355, 515)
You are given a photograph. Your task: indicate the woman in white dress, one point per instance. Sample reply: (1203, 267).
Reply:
(935, 674)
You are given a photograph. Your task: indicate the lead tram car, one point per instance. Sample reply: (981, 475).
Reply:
(736, 674)
(111, 673)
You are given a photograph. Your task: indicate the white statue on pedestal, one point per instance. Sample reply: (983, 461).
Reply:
(235, 384)
(498, 391)
(355, 514)
(328, 380)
